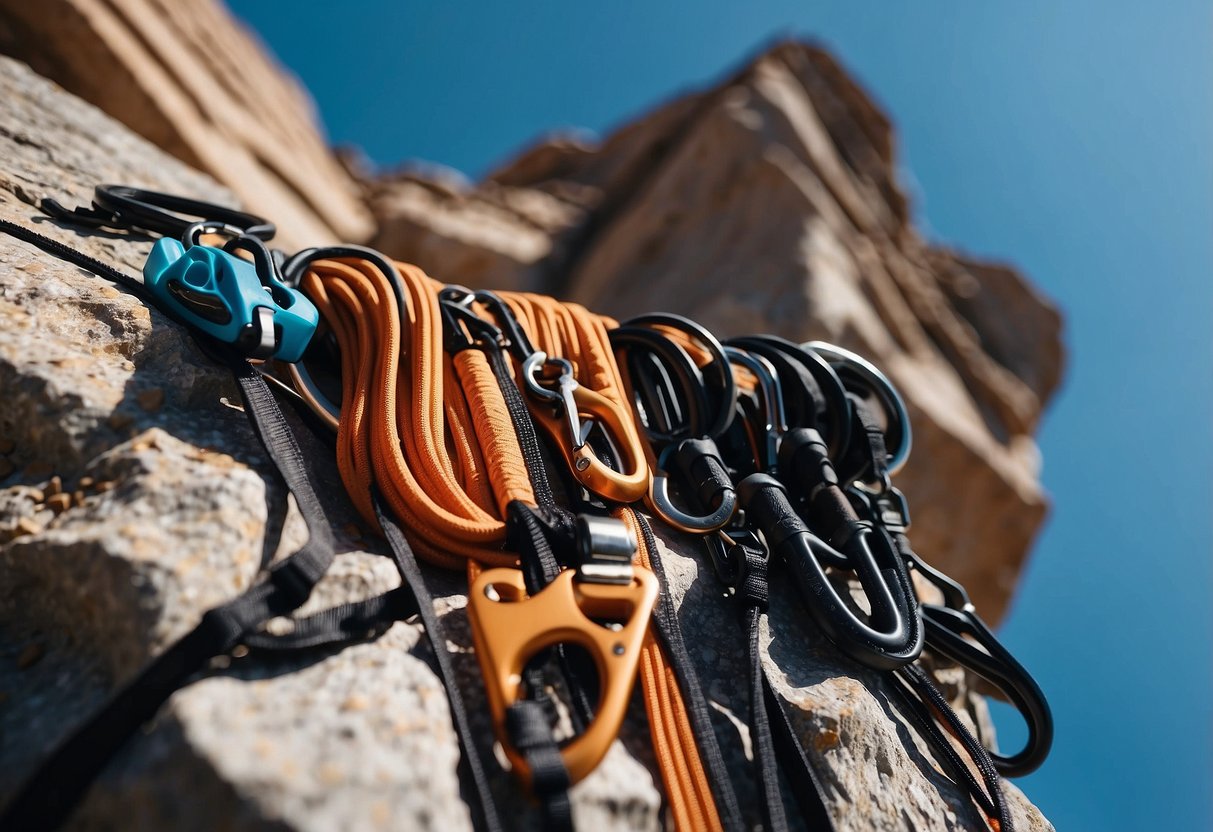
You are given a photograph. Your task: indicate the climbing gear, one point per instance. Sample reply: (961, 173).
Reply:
(683, 422)
(446, 404)
(232, 299)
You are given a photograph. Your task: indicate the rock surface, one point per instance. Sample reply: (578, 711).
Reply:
(173, 509)
(192, 80)
(770, 203)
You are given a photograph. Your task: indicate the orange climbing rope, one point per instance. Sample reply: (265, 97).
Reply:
(433, 432)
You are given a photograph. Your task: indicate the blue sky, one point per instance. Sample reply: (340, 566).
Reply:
(1072, 139)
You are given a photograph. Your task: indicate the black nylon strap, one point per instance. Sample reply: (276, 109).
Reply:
(774, 817)
(356, 621)
(58, 784)
(79, 258)
(807, 787)
(670, 632)
(410, 571)
(525, 534)
(993, 800)
(526, 722)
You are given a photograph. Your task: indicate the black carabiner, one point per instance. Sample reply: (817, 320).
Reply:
(892, 636)
(717, 373)
(124, 207)
(947, 626)
(813, 394)
(865, 380)
(676, 411)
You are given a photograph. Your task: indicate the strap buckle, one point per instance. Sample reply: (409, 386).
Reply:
(605, 547)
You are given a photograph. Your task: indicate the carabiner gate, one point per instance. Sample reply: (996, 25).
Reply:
(574, 412)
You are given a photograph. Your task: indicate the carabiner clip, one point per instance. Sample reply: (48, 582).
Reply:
(563, 420)
(775, 421)
(699, 463)
(564, 397)
(509, 627)
(892, 636)
(947, 626)
(868, 377)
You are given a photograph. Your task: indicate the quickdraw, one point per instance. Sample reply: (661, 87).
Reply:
(448, 403)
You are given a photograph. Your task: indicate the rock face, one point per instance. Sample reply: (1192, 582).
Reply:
(133, 496)
(193, 81)
(770, 204)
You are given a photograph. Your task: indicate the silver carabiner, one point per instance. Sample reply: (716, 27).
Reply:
(660, 502)
(772, 400)
(880, 384)
(563, 397)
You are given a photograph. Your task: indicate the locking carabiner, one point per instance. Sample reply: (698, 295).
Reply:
(700, 464)
(892, 636)
(572, 412)
(673, 406)
(812, 393)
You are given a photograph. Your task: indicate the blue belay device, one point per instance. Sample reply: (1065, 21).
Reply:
(223, 296)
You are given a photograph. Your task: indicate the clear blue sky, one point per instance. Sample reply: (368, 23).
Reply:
(1072, 139)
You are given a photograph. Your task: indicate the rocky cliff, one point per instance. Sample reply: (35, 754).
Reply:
(190, 79)
(133, 497)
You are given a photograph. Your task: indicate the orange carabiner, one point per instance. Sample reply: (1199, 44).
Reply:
(574, 410)
(509, 628)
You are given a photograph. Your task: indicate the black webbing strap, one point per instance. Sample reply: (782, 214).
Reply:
(669, 630)
(526, 533)
(529, 729)
(59, 783)
(752, 594)
(410, 571)
(778, 749)
(992, 800)
(336, 626)
(84, 261)
(807, 788)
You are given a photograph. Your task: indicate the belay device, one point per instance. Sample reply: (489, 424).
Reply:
(223, 295)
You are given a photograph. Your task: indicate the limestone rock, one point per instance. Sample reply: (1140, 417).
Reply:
(770, 203)
(195, 82)
(173, 509)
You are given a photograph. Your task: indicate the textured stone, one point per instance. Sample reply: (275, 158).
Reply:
(770, 203)
(174, 510)
(194, 81)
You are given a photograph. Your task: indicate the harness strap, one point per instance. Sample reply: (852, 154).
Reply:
(694, 703)
(531, 733)
(59, 783)
(410, 570)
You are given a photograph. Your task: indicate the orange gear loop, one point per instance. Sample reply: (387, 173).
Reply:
(432, 431)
